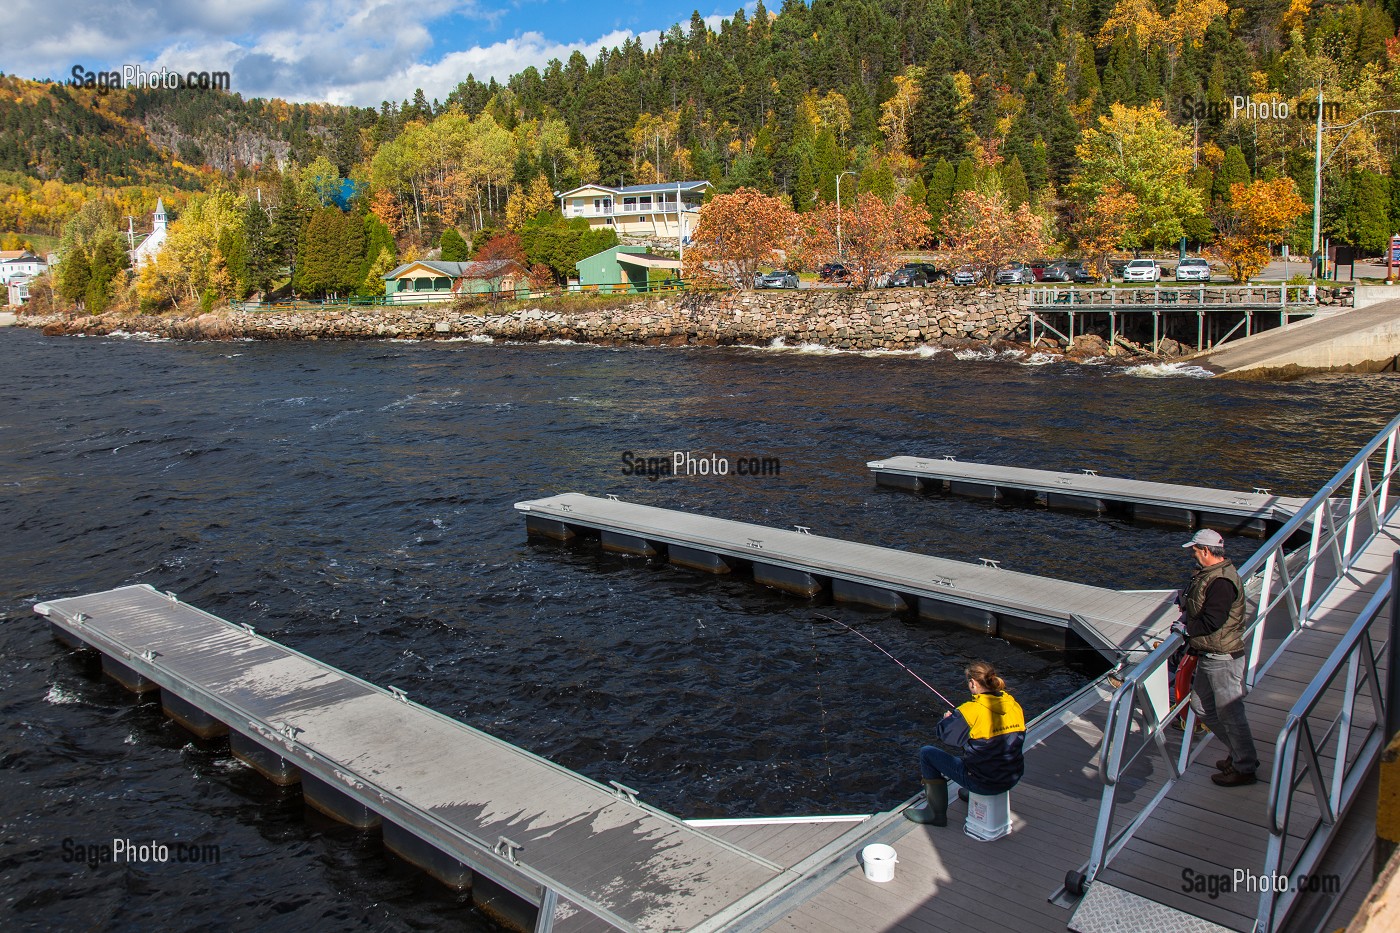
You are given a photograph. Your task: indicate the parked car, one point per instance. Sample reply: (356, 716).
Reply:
(1038, 267)
(1081, 274)
(1116, 267)
(915, 274)
(1058, 271)
(1193, 269)
(778, 278)
(966, 276)
(1142, 270)
(1014, 273)
(833, 272)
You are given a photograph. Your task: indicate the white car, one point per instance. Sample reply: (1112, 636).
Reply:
(1142, 270)
(1192, 269)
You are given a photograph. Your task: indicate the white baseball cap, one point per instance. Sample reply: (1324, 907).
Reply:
(1206, 538)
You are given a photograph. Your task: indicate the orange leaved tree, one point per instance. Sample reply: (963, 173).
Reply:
(738, 234)
(1102, 226)
(871, 235)
(1257, 215)
(983, 232)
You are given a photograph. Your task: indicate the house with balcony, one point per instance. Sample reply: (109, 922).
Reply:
(19, 263)
(664, 211)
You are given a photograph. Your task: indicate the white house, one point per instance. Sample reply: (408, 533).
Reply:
(17, 290)
(17, 263)
(146, 250)
(666, 210)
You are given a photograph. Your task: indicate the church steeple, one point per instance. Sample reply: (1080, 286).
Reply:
(159, 223)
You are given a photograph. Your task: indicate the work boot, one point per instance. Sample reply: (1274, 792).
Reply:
(934, 812)
(1225, 764)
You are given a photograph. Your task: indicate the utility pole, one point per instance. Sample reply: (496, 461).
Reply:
(1317, 188)
(839, 251)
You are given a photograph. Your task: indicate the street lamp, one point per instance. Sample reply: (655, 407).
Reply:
(839, 251)
(1318, 162)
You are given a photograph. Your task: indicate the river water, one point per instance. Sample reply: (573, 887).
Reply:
(354, 501)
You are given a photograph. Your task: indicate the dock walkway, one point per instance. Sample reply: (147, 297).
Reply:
(1114, 621)
(597, 859)
(1169, 503)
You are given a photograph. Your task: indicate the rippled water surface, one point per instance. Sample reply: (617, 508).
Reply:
(354, 501)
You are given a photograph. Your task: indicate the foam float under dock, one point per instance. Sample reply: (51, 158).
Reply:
(538, 845)
(984, 598)
(1256, 513)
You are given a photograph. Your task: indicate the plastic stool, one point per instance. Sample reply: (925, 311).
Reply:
(988, 818)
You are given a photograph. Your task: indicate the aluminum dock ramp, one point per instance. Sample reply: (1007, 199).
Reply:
(1255, 512)
(983, 598)
(471, 809)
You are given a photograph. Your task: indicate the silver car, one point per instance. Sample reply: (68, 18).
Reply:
(1014, 273)
(1193, 269)
(776, 279)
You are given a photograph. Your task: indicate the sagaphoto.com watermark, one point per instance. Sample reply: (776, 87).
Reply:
(139, 78)
(1246, 107)
(1214, 884)
(139, 852)
(690, 463)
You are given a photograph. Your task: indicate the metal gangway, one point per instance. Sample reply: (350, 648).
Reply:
(1214, 307)
(1323, 668)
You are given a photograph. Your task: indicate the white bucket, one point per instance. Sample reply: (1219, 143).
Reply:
(879, 862)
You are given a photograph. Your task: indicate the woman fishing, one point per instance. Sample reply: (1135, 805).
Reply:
(990, 728)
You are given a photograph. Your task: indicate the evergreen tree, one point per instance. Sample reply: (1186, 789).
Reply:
(1013, 184)
(1234, 170)
(454, 246)
(940, 191)
(965, 179)
(1370, 212)
(288, 225)
(938, 127)
(262, 261)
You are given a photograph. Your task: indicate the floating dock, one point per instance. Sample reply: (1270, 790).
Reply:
(1251, 513)
(982, 597)
(538, 845)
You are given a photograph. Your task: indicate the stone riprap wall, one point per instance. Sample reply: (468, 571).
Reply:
(892, 319)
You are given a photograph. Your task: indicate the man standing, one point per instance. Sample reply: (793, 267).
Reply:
(1213, 610)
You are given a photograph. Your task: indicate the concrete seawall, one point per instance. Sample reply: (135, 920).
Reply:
(1360, 340)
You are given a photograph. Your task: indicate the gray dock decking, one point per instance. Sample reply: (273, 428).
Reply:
(1112, 620)
(1090, 486)
(628, 865)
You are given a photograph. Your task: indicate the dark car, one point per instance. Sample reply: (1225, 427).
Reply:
(776, 279)
(833, 272)
(913, 274)
(1068, 270)
(1082, 274)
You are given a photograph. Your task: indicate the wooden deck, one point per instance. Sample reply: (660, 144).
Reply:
(613, 863)
(1114, 620)
(1089, 485)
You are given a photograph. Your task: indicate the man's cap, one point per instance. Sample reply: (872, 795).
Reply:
(1205, 538)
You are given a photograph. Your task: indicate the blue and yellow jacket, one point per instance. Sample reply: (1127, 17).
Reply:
(990, 728)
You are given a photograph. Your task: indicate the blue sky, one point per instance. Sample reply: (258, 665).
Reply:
(341, 51)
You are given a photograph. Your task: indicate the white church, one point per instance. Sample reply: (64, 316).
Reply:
(150, 244)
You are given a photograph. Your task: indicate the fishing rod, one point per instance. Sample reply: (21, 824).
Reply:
(950, 703)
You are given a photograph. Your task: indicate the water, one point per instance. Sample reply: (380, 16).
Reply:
(353, 501)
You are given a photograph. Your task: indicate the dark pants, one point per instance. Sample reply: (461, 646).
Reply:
(935, 763)
(1219, 685)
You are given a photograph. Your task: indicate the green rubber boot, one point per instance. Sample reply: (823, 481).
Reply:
(934, 812)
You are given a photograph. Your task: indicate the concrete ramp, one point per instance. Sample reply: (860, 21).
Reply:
(1357, 340)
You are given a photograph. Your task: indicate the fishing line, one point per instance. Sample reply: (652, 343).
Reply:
(950, 704)
(821, 702)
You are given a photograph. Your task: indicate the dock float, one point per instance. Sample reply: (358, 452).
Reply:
(540, 847)
(1254, 513)
(982, 597)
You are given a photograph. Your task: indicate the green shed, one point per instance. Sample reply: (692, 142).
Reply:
(624, 269)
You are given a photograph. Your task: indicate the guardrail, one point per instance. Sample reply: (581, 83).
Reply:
(411, 299)
(1281, 587)
(1336, 787)
(1186, 296)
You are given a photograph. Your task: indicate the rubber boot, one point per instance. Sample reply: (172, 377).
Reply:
(934, 812)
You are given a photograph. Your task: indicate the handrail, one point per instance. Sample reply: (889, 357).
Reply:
(1356, 649)
(1188, 295)
(1274, 579)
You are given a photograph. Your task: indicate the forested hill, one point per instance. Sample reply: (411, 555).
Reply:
(898, 91)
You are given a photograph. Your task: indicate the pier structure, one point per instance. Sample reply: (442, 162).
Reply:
(1247, 513)
(1115, 808)
(982, 597)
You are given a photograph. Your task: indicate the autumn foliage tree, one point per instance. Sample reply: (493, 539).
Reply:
(737, 235)
(1102, 225)
(1256, 216)
(982, 231)
(872, 234)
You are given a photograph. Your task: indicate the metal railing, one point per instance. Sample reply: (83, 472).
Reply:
(1285, 592)
(1183, 295)
(412, 299)
(1300, 751)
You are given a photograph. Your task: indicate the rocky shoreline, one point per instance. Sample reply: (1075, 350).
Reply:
(894, 320)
